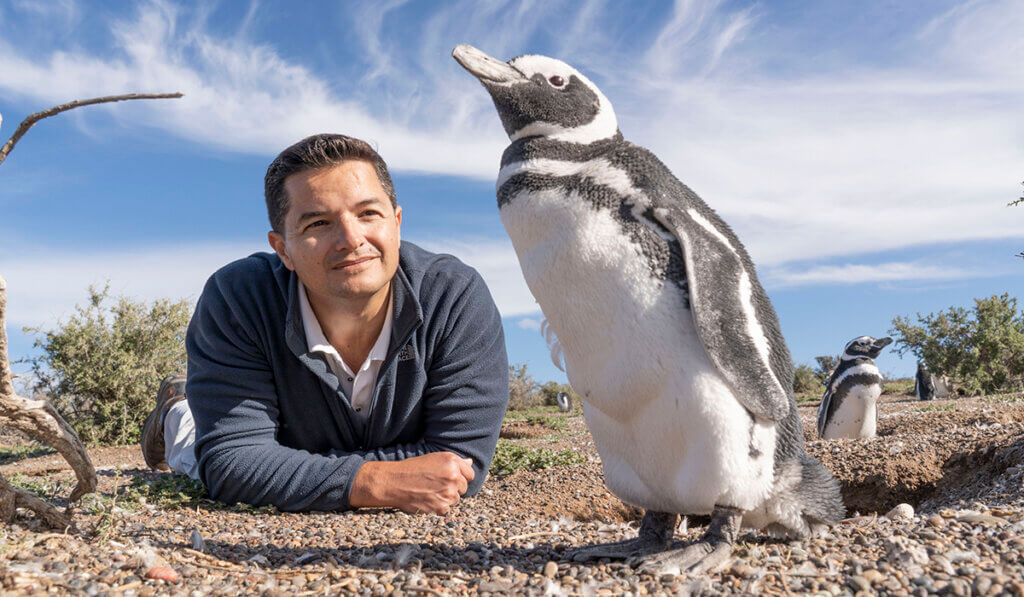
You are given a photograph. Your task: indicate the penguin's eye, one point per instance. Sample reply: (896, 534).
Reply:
(556, 80)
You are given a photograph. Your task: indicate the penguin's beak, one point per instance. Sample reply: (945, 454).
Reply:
(881, 343)
(483, 67)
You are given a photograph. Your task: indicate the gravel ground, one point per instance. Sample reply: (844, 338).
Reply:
(959, 465)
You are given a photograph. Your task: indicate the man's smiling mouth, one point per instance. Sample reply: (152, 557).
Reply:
(353, 262)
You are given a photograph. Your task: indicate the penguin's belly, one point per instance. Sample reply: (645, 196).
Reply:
(670, 433)
(857, 415)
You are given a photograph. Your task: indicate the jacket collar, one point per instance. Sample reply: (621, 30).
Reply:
(406, 317)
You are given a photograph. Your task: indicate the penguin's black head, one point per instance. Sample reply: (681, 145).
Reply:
(540, 96)
(865, 346)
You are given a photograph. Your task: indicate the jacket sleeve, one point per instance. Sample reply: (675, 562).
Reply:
(233, 398)
(467, 383)
(466, 394)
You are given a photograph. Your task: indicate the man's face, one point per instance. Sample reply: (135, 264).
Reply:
(341, 234)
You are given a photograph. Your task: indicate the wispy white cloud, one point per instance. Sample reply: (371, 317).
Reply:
(529, 323)
(921, 148)
(239, 95)
(497, 263)
(44, 287)
(853, 273)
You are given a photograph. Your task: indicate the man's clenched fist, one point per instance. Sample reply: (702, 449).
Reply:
(429, 483)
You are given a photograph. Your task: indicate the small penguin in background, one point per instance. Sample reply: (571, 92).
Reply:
(666, 334)
(849, 407)
(924, 383)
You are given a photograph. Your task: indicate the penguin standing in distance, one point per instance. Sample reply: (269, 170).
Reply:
(849, 407)
(924, 383)
(664, 329)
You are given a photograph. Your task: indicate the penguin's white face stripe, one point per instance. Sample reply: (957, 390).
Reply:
(863, 368)
(754, 328)
(603, 126)
(847, 355)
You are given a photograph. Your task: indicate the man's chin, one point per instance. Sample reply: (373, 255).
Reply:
(357, 289)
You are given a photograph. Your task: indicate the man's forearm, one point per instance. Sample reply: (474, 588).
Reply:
(429, 483)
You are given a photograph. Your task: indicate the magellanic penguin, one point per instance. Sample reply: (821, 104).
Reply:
(664, 329)
(924, 383)
(849, 407)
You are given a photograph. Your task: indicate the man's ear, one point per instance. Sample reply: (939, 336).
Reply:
(276, 241)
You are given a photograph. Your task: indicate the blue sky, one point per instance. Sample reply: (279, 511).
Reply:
(864, 152)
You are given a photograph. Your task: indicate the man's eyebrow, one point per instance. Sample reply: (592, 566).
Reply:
(311, 214)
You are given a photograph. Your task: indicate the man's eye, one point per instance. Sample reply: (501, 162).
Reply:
(316, 224)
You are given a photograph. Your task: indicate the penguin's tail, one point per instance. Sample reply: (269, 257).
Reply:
(818, 493)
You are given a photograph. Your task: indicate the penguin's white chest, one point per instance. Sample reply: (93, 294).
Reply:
(670, 433)
(856, 416)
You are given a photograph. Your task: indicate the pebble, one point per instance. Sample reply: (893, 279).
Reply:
(901, 512)
(966, 543)
(162, 573)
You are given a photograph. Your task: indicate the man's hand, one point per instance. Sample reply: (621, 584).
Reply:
(429, 483)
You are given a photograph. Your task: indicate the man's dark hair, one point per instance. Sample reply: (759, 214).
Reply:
(312, 153)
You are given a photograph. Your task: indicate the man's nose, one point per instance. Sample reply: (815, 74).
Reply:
(350, 235)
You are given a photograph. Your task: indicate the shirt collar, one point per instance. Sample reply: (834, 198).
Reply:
(316, 341)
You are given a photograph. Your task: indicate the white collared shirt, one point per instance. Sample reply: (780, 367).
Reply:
(358, 385)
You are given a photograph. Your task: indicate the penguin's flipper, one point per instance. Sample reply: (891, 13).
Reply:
(823, 412)
(733, 317)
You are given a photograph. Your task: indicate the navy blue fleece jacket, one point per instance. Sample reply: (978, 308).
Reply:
(274, 426)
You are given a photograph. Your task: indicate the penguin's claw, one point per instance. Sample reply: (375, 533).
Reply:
(698, 558)
(655, 534)
(620, 550)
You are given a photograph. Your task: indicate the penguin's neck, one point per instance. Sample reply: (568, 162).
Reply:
(543, 147)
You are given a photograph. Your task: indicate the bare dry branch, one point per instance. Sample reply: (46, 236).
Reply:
(34, 118)
(12, 498)
(40, 420)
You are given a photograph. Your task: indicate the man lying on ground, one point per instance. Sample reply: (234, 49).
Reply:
(348, 368)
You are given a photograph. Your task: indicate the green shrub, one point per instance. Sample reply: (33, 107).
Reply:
(981, 350)
(552, 422)
(825, 365)
(551, 390)
(102, 368)
(523, 391)
(509, 458)
(804, 380)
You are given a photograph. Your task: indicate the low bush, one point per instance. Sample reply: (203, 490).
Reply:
(804, 380)
(101, 369)
(509, 457)
(523, 391)
(981, 350)
(551, 390)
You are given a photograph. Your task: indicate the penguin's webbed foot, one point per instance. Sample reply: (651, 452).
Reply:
(713, 549)
(656, 531)
(696, 558)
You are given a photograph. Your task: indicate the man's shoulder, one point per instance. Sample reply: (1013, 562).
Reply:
(256, 266)
(250, 276)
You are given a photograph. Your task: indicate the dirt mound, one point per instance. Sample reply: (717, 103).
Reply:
(522, 430)
(926, 454)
